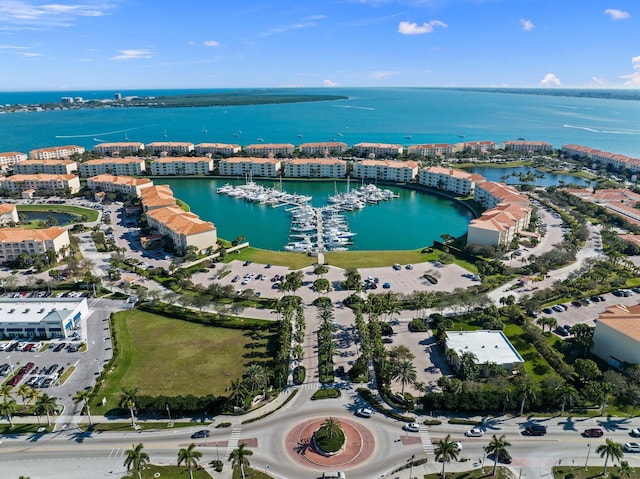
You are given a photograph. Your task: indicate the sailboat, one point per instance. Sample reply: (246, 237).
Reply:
(204, 129)
(165, 133)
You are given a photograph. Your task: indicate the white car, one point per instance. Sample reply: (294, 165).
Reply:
(474, 432)
(632, 447)
(364, 412)
(458, 445)
(412, 427)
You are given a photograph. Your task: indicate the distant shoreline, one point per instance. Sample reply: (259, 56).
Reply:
(566, 92)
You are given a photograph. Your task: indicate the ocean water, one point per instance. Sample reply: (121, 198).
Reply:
(388, 115)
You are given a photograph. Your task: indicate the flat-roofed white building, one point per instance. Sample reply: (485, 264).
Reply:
(377, 149)
(525, 146)
(119, 148)
(182, 165)
(489, 347)
(270, 149)
(170, 147)
(8, 214)
(115, 166)
(616, 338)
(41, 181)
(459, 182)
(157, 196)
(217, 149)
(182, 228)
(239, 166)
(51, 167)
(490, 193)
(125, 185)
(388, 170)
(432, 149)
(56, 152)
(10, 158)
(499, 225)
(15, 241)
(41, 317)
(323, 148)
(315, 168)
(480, 146)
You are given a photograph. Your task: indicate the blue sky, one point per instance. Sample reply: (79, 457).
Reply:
(71, 45)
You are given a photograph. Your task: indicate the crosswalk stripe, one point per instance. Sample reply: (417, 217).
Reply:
(427, 445)
(233, 440)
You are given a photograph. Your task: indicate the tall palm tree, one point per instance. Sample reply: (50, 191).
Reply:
(405, 372)
(136, 459)
(5, 391)
(46, 404)
(33, 395)
(83, 397)
(527, 391)
(610, 449)
(625, 470)
(24, 391)
(128, 398)
(332, 426)
(239, 457)
(190, 457)
(238, 391)
(498, 447)
(256, 377)
(445, 451)
(8, 409)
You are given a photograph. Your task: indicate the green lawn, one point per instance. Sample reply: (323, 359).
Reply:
(501, 473)
(91, 214)
(534, 363)
(577, 472)
(374, 259)
(280, 258)
(164, 356)
(249, 473)
(169, 472)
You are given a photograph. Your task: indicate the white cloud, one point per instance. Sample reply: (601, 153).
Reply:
(330, 83)
(597, 81)
(383, 74)
(26, 13)
(211, 43)
(550, 80)
(635, 61)
(12, 47)
(412, 28)
(132, 54)
(29, 54)
(632, 80)
(527, 25)
(616, 14)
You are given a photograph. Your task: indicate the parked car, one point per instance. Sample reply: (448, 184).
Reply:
(386, 285)
(593, 432)
(200, 434)
(560, 331)
(364, 412)
(547, 310)
(412, 427)
(474, 432)
(397, 267)
(409, 266)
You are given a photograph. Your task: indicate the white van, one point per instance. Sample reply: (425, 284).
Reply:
(333, 475)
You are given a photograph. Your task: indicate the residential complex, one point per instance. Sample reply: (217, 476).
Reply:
(119, 148)
(323, 148)
(15, 241)
(524, 146)
(616, 160)
(183, 165)
(51, 167)
(315, 168)
(158, 196)
(456, 181)
(182, 229)
(8, 214)
(10, 158)
(372, 150)
(217, 149)
(439, 149)
(239, 166)
(170, 147)
(125, 185)
(480, 146)
(50, 183)
(48, 318)
(115, 166)
(55, 152)
(490, 193)
(270, 149)
(387, 170)
(616, 338)
(499, 225)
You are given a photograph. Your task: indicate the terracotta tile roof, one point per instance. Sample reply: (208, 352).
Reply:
(120, 144)
(11, 154)
(16, 235)
(41, 177)
(323, 144)
(217, 145)
(390, 163)
(6, 208)
(119, 180)
(265, 146)
(157, 196)
(315, 161)
(185, 159)
(439, 170)
(169, 143)
(47, 162)
(624, 319)
(378, 145)
(57, 148)
(181, 222)
(118, 161)
(240, 159)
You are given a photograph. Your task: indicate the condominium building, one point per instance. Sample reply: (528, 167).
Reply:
(524, 146)
(182, 165)
(8, 214)
(217, 149)
(270, 149)
(120, 148)
(616, 338)
(490, 193)
(499, 225)
(114, 166)
(170, 147)
(605, 158)
(400, 171)
(51, 167)
(323, 148)
(52, 183)
(377, 149)
(456, 181)
(433, 149)
(480, 146)
(15, 241)
(10, 158)
(157, 196)
(239, 166)
(125, 185)
(182, 229)
(55, 152)
(315, 168)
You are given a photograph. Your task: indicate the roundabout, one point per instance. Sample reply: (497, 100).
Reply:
(358, 448)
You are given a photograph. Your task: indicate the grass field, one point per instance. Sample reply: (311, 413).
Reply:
(280, 258)
(562, 472)
(374, 259)
(91, 214)
(164, 356)
(169, 472)
(501, 473)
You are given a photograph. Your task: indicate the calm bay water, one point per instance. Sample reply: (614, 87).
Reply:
(412, 221)
(506, 175)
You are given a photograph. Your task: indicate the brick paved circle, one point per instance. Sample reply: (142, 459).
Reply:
(359, 446)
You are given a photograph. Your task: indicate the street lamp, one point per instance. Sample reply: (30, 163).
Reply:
(484, 454)
(10, 364)
(588, 452)
(168, 411)
(506, 401)
(411, 466)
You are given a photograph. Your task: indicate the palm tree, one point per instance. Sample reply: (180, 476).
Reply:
(83, 397)
(625, 470)
(8, 408)
(46, 404)
(136, 459)
(445, 451)
(255, 377)
(128, 398)
(526, 390)
(238, 391)
(33, 395)
(332, 426)
(239, 457)
(190, 457)
(24, 391)
(610, 449)
(405, 372)
(5, 391)
(497, 447)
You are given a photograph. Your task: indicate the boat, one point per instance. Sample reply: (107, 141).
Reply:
(299, 135)
(204, 130)
(261, 140)
(409, 137)
(165, 133)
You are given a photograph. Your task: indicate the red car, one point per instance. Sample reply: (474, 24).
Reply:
(593, 432)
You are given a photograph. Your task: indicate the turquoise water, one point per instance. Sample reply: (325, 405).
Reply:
(382, 115)
(544, 180)
(412, 221)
